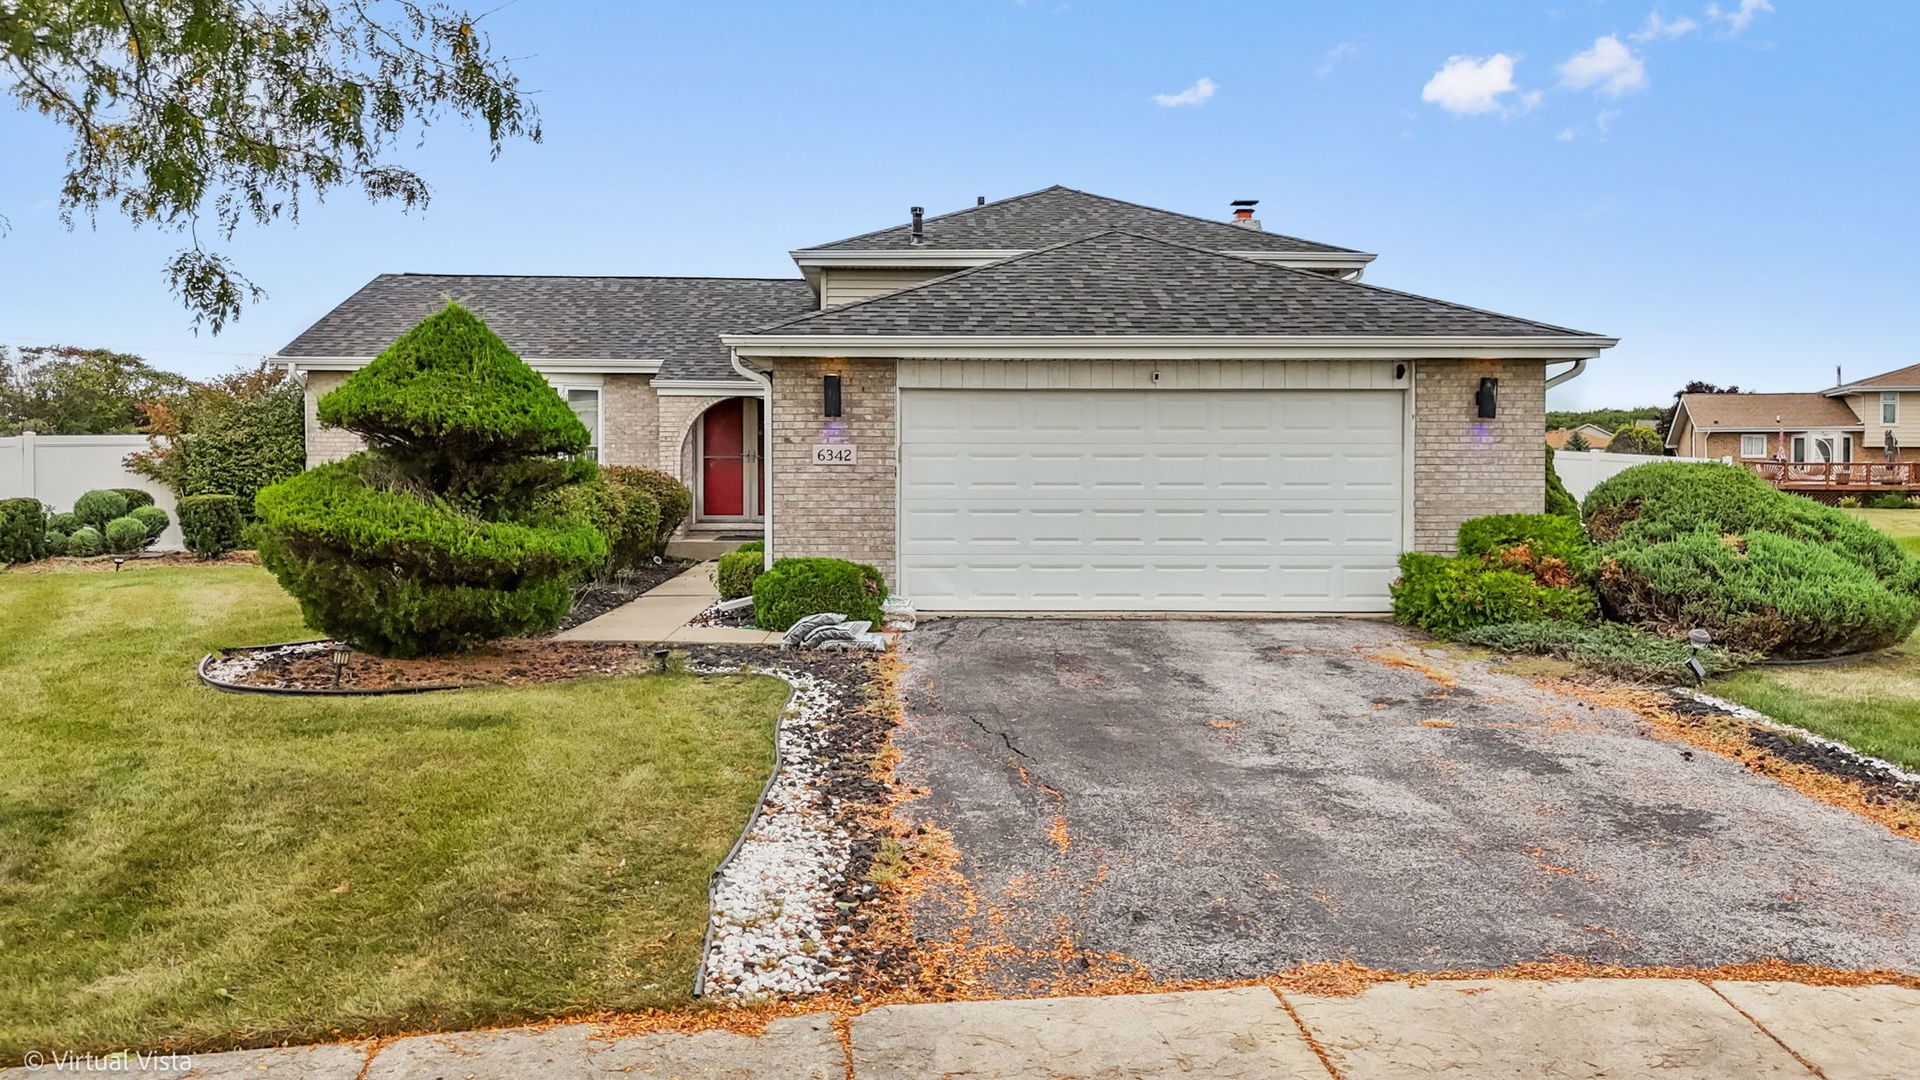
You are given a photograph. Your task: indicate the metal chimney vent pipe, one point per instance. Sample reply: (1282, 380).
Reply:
(919, 227)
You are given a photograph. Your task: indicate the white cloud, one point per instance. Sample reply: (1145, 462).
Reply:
(1197, 94)
(1737, 19)
(1566, 135)
(1609, 66)
(1605, 121)
(1467, 85)
(1335, 55)
(1658, 28)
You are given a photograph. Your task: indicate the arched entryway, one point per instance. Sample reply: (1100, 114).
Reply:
(729, 475)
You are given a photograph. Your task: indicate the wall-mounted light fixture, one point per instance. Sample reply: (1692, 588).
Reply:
(1399, 372)
(1487, 398)
(830, 395)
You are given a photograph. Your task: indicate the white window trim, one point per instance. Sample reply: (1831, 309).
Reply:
(1747, 453)
(1889, 399)
(598, 449)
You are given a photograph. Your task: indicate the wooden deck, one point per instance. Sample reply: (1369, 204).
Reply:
(1840, 477)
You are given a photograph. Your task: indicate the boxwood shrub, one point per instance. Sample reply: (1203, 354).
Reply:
(64, 523)
(154, 518)
(796, 588)
(84, 542)
(739, 569)
(671, 500)
(1445, 596)
(210, 525)
(136, 497)
(23, 531)
(126, 535)
(636, 515)
(96, 508)
(56, 543)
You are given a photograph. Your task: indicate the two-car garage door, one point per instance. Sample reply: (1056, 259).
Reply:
(1145, 500)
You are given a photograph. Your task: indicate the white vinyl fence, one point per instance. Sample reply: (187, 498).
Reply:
(57, 469)
(1582, 472)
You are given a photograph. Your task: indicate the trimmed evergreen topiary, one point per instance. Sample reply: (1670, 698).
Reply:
(210, 525)
(96, 508)
(64, 523)
(796, 588)
(136, 497)
(738, 569)
(1559, 500)
(23, 531)
(56, 544)
(84, 543)
(126, 535)
(154, 518)
(670, 497)
(450, 530)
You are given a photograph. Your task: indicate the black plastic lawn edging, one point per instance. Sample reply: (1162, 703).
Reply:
(298, 691)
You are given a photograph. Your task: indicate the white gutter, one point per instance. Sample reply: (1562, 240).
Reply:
(1564, 347)
(761, 379)
(1568, 375)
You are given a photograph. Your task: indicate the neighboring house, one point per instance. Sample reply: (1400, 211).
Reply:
(1846, 423)
(1597, 437)
(1057, 401)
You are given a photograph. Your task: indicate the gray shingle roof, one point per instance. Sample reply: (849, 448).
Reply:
(1122, 283)
(675, 320)
(1058, 214)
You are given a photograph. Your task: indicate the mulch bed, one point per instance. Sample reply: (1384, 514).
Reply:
(513, 662)
(596, 598)
(104, 563)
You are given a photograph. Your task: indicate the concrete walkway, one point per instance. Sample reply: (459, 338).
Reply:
(661, 614)
(1495, 1030)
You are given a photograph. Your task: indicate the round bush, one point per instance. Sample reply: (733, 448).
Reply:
(136, 497)
(23, 531)
(210, 525)
(1759, 592)
(154, 518)
(125, 535)
(84, 542)
(1632, 439)
(670, 497)
(56, 543)
(635, 532)
(739, 569)
(96, 508)
(797, 588)
(64, 523)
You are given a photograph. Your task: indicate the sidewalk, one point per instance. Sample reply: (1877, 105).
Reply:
(1615, 1028)
(661, 614)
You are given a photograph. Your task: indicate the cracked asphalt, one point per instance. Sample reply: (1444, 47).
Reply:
(1228, 798)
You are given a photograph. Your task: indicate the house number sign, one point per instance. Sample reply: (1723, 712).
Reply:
(834, 454)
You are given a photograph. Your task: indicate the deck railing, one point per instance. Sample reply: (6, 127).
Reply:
(1791, 474)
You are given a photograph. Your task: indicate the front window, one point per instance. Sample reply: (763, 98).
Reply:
(1890, 408)
(1753, 446)
(585, 403)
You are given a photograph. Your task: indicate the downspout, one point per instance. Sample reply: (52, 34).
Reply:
(765, 382)
(1568, 375)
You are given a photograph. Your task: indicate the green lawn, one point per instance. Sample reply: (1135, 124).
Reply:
(180, 867)
(1872, 705)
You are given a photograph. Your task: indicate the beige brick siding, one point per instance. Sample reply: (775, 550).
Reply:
(837, 511)
(630, 415)
(673, 449)
(326, 444)
(1464, 466)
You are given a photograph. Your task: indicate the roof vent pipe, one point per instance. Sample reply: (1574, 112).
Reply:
(919, 228)
(979, 200)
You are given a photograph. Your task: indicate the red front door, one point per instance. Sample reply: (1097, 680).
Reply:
(729, 445)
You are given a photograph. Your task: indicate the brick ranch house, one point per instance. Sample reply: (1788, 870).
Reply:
(1858, 436)
(1057, 401)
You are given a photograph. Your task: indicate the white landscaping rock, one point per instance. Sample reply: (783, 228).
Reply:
(232, 669)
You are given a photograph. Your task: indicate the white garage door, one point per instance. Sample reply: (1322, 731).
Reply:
(1155, 500)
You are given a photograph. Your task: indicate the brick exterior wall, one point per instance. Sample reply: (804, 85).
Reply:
(326, 444)
(673, 448)
(630, 417)
(837, 511)
(1464, 467)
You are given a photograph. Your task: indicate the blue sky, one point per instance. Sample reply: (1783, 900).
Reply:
(1729, 189)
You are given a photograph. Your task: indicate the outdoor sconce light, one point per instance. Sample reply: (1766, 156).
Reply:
(830, 387)
(342, 652)
(1487, 398)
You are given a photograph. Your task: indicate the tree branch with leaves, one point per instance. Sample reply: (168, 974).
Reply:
(216, 113)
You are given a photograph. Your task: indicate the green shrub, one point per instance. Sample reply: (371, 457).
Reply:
(739, 569)
(154, 518)
(126, 535)
(1761, 592)
(1848, 502)
(635, 534)
(64, 523)
(1891, 501)
(1559, 500)
(23, 531)
(445, 533)
(1548, 535)
(232, 435)
(56, 543)
(136, 497)
(1626, 652)
(796, 588)
(84, 543)
(1632, 439)
(210, 525)
(1445, 596)
(671, 497)
(96, 508)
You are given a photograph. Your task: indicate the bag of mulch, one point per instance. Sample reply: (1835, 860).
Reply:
(898, 613)
(837, 632)
(796, 634)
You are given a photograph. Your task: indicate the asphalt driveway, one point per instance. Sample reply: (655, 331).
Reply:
(1224, 799)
